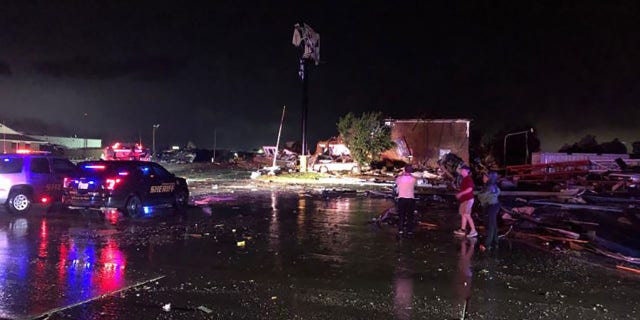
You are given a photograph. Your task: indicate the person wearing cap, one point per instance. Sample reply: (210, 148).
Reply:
(405, 184)
(488, 198)
(465, 197)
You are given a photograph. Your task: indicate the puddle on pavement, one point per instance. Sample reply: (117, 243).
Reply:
(287, 255)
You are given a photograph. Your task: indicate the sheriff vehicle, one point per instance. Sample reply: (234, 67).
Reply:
(29, 177)
(131, 187)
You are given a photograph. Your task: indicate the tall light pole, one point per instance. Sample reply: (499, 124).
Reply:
(526, 144)
(84, 144)
(153, 140)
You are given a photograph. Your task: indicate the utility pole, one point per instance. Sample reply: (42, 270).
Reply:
(84, 145)
(304, 36)
(526, 144)
(153, 140)
(215, 143)
(4, 138)
(275, 155)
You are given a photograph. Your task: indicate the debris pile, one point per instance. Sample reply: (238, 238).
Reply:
(579, 223)
(176, 156)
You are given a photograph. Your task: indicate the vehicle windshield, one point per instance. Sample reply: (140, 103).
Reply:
(11, 165)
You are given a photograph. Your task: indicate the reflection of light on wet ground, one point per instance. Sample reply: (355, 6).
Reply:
(19, 227)
(403, 297)
(13, 268)
(4, 305)
(113, 216)
(111, 263)
(462, 280)
(274, 230)
(301, 216)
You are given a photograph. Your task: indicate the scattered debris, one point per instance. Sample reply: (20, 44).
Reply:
(205, 309)
(177, 156)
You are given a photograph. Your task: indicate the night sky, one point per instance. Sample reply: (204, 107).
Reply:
(112, 69)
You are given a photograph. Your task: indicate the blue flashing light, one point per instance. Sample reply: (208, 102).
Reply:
(6, 159)
(92, 182)
(146, 209)
(123, 173)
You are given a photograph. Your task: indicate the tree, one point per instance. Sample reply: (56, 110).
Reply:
(589, 144)
(636, 147)
(365, 136)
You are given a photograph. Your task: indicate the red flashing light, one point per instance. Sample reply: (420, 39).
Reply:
(23, 151)
(111, 183)
(44, 199)
(95, 166)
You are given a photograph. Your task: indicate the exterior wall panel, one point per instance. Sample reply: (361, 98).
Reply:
(428, 139)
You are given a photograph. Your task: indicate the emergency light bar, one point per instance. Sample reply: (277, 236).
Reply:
(95, 166)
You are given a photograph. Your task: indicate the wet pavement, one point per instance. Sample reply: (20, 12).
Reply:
(290, 255)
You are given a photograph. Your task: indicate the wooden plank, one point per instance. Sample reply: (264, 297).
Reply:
(634, 270)
(549, 238)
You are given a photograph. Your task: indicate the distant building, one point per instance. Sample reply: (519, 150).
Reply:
(425, 141)
(11, 140)
(71, 142)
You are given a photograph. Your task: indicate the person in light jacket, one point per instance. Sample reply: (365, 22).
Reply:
(405, 184)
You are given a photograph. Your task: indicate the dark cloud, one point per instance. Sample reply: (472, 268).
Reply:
(567, 68)
(85, 67)
(5, 69)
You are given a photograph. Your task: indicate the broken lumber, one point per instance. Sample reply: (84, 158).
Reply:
(634, 270)
(549, 238)
(569, 206)
(566, 233)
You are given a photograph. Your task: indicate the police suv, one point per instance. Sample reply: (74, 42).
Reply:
(34, 177)
(132, 187)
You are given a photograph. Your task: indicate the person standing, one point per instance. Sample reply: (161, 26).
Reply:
(488, 198)
(465, 197)
(405, 184)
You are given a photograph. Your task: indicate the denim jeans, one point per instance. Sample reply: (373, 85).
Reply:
(491, 218)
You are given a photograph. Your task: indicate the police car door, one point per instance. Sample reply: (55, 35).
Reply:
(165, 183)
(39, 176)
(148, 185)
(61, 168)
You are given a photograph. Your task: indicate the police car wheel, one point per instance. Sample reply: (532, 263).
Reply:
(19, 202)
(181, 199)
(133, 207)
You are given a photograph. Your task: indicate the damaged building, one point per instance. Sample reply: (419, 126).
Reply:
(424, 141)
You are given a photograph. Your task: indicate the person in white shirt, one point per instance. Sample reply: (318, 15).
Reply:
(405, 184)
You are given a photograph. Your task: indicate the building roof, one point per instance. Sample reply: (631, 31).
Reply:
(18, 138)
(428, 120)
